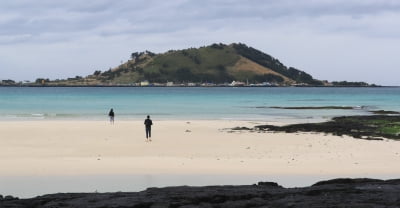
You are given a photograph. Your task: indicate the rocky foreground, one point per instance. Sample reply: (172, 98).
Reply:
(334, 193)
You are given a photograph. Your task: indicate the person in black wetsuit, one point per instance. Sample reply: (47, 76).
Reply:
(148, 122)
(111, 115)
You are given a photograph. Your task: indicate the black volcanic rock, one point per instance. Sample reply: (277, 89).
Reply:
(373, 127)
(347, 181)
(355, 193)
(385, 112)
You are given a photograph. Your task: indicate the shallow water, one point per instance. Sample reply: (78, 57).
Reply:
(93, 103)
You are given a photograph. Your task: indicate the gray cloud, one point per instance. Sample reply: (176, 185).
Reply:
(37, 17)
(106, 30)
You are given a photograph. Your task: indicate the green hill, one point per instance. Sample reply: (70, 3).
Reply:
(217, 63)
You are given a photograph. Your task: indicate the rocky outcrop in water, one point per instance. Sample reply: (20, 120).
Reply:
(334, 193)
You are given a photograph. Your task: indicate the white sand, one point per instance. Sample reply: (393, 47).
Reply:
(40, 148)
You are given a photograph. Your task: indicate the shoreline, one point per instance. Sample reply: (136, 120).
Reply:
(74, 149)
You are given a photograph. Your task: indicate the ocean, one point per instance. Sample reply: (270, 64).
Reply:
(175, 103)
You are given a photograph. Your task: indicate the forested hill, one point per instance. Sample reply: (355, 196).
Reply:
(217, 64)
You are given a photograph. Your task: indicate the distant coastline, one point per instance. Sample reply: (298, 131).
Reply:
(216, 65)
(180, 85)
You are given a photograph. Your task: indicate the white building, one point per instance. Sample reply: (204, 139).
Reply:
(144, 83)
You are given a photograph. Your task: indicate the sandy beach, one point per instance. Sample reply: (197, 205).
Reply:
(52, 148)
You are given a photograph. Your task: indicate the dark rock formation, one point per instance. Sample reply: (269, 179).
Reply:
(241, 129)
(314, 107)
(335, 193)
(385, 112)
(374, 127)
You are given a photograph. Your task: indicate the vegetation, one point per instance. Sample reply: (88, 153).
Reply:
(8, 82)
(217, 63)
(350, 84)
(42, 81)
(206, 64)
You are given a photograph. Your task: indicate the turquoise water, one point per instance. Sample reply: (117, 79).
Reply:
(93, 103)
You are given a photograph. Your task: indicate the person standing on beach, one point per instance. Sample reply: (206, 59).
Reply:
(148, 122)
(111, 115)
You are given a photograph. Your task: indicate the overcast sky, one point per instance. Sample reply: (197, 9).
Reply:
(353, 40)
